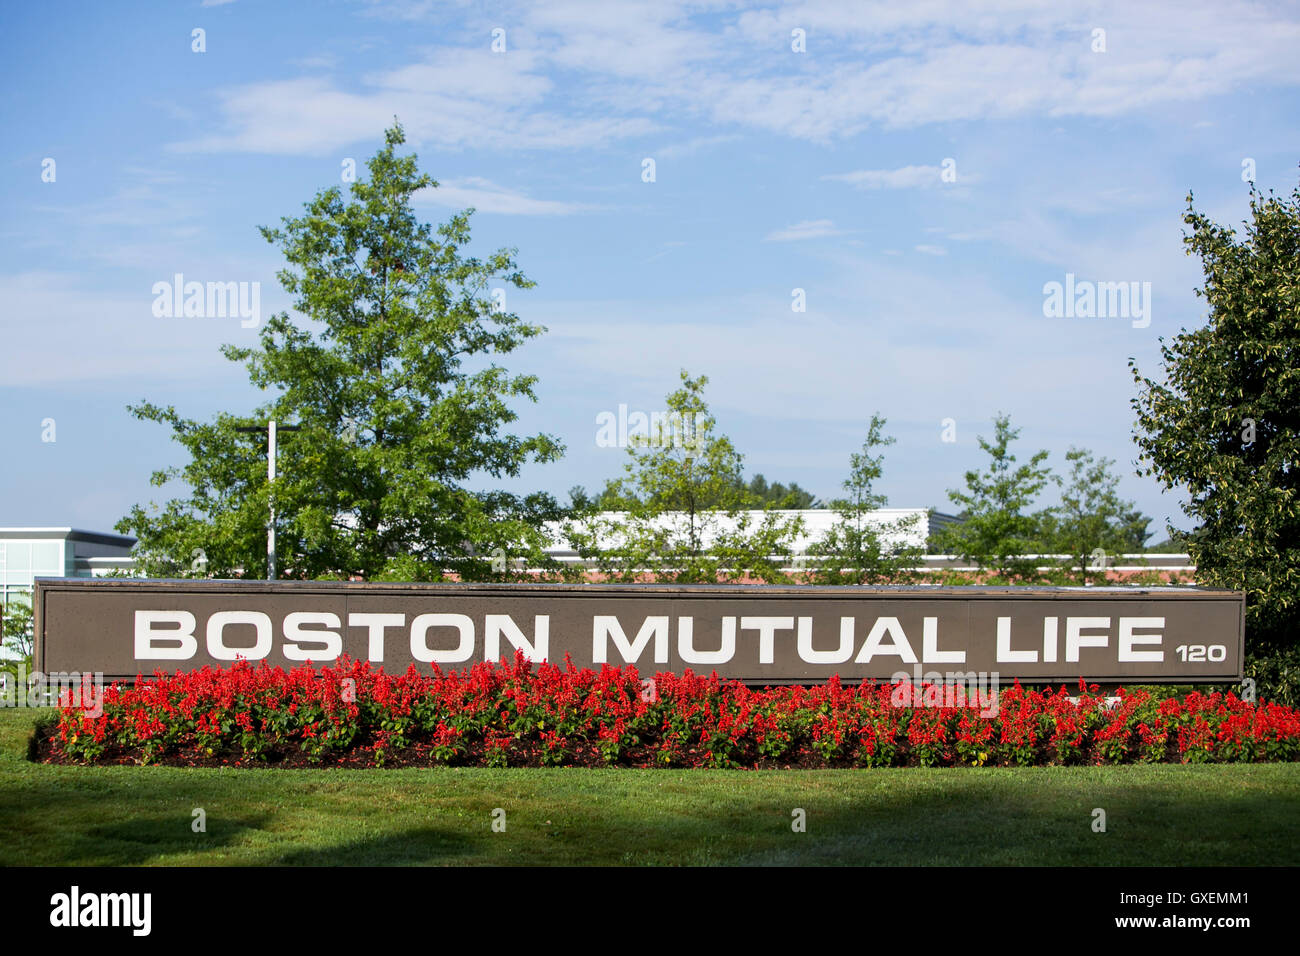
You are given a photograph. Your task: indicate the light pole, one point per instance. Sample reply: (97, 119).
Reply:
(271, 429)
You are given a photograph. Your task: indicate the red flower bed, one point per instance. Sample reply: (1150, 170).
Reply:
(521, 715)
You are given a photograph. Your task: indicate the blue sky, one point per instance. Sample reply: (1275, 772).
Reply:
(774, 170)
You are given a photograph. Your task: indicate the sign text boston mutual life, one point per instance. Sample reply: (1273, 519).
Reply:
(760, 634)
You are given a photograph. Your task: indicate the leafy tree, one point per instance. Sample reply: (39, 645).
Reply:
(1224, 424)
(683, 511)
(996, 531)
(777, 495)
(1137, 531)
(18, 632)
(787, 497)
(613, 497)
(1091, 524)
(398, 397)
(856, 549)
(1165, 546)
(782, 496)
(580, 502)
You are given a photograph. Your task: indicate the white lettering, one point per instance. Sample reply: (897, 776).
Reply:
(420, 649)
(330, 641)
(898, 644)
(1127, 638)
(1005, 654)
(606, 627)
(767, 628)
(216, 635)
(838, 656)
(1076, 639)
(147, 636)
(495, 625)
(686, 645)
(376, 623)
(930, 652)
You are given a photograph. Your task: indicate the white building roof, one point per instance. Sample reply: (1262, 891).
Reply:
(909, 526)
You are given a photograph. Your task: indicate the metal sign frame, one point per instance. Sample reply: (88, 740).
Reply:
(760, 634)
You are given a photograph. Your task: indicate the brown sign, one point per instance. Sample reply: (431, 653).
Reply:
(757, 634)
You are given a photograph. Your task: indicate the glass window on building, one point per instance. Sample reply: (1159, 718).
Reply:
(18, 557)
(47, 559)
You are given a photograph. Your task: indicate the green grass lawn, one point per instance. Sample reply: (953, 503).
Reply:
(1156, 815)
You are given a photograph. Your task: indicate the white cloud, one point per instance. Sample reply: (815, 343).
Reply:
(486, 196)
(642, 39)
(905, 177)
(930, 250)
(307, 115)
(808, 229)
(323, 61)
(58, 332)
(690, 147)
(153, 216)
(402, 9)
(462, 98)
(872, 65)
(581, 74)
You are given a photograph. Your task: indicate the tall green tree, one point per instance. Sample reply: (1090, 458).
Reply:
(997, 530)
(776, 495)
(684, 512)
(1137, 530)
(398, 395)
(859, 549)
(1092, 524)
(1223, 423)
(17, 628)
(780, 495)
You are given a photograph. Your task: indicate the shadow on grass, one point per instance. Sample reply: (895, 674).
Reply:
(148, 839)
(129, 816)
(116, 816)
(1044, 821)
(72, 833)
(420, 846)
